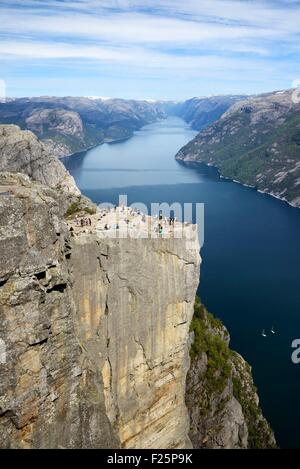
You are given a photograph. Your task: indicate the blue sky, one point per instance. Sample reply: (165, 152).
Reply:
(169, 49)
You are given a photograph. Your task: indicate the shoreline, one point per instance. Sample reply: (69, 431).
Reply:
(109, 141)
(249, 186)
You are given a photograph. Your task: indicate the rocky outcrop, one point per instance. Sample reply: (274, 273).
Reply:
(96, 331)
(221, 397)
(22, 152)
(256, 142)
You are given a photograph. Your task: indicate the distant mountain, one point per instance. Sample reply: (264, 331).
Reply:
(200, 112)
(256, 142)
(68, 125)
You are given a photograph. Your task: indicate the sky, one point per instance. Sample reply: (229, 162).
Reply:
(148, 49)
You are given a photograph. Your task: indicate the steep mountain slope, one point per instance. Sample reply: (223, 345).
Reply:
(221, 398)
(200, 112)
(256, 142)
(69, 124)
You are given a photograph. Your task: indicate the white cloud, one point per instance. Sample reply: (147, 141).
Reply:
(282, 14)
(221, 39)
(134, 28)
(137, 57)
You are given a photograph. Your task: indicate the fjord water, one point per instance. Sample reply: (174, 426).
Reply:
(251, 254)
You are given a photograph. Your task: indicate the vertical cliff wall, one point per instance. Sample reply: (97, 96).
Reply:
(135, 298)
(95, 331)
(51, 394)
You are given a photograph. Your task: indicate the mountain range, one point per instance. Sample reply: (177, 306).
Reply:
(254, 140)
(69, 125)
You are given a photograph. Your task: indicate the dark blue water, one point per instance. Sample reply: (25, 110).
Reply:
(251, 255)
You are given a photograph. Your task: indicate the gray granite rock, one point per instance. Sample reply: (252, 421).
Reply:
(22, 152)
(96, 331)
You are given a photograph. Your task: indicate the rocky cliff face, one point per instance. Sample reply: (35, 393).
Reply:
(138, 321)
(96, 343)
(50, 393)
(21, 151)
(221, 398)
(256, 142)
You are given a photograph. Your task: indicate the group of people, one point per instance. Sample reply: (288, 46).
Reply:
(171, 220)
(86, 221)
(128, 215)
(108, 227)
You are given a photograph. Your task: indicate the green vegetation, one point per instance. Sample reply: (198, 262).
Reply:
(244, 151)
(73, 208)
(224, 366)
(214, 322)
(206, 340)
(76, 207)
(244, 391)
